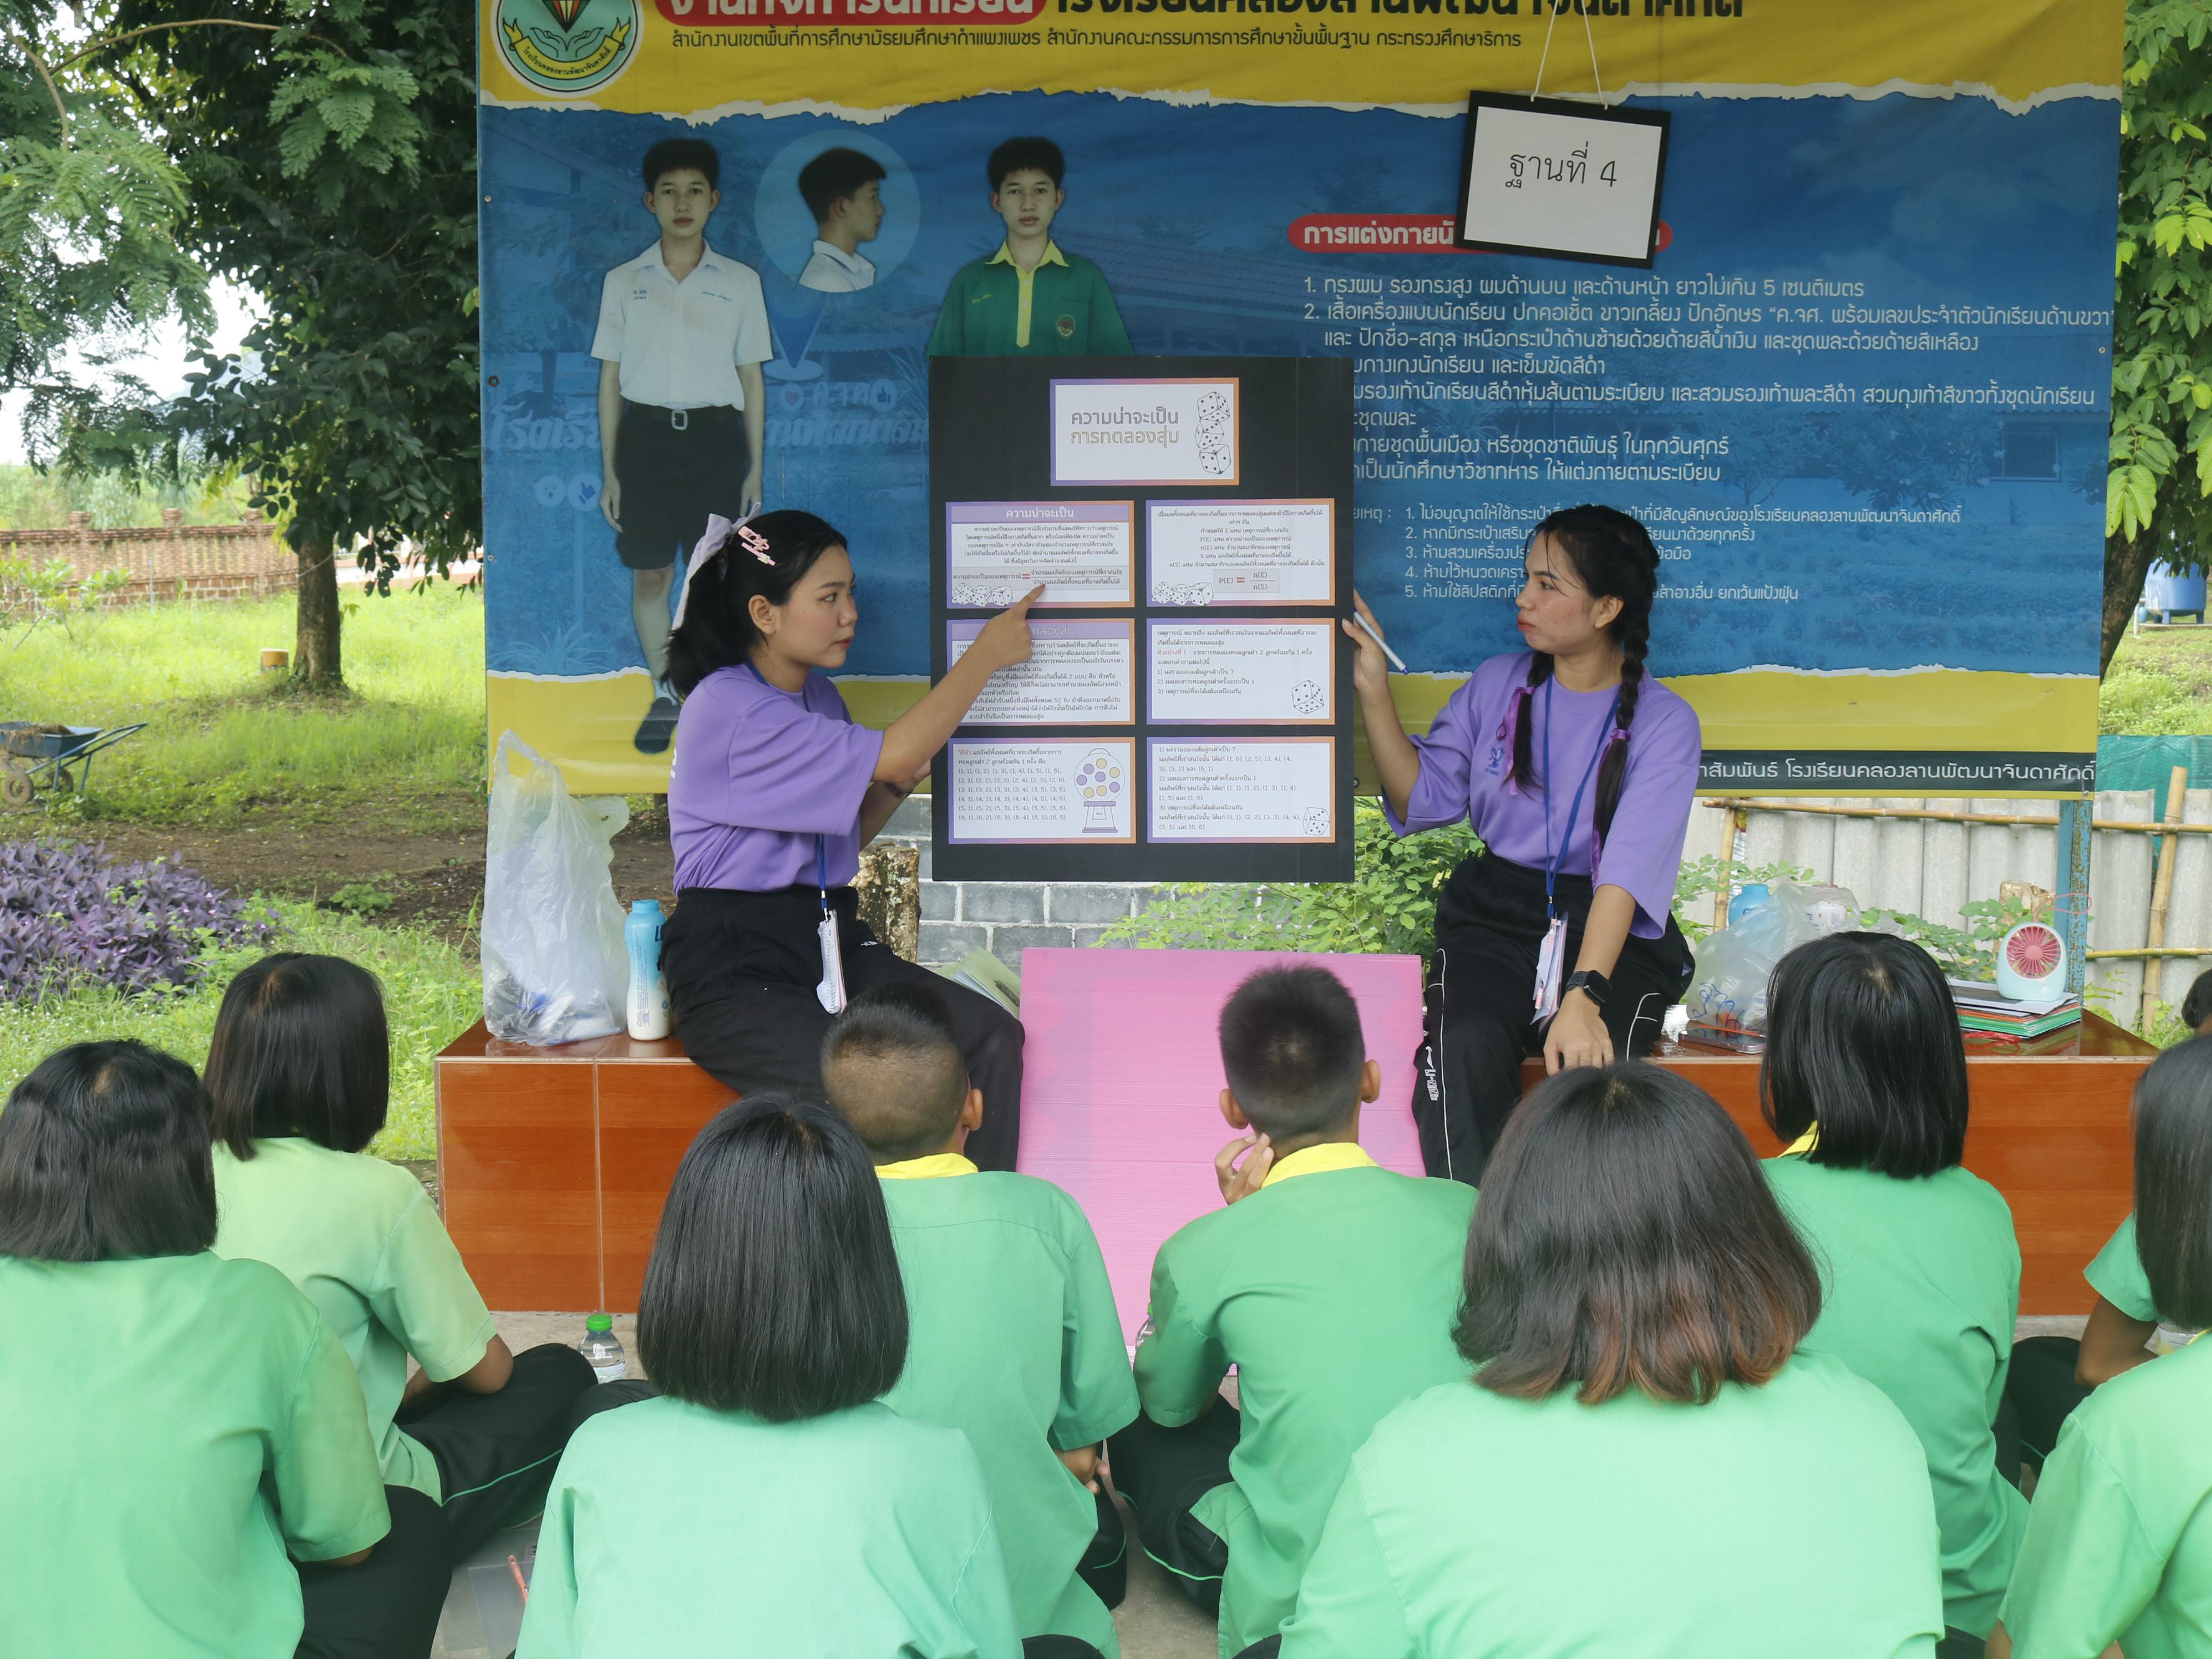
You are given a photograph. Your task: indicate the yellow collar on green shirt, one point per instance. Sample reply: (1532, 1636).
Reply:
(922, 1169)
(1315, 1160)
(1804, 1143)
(1004, 255)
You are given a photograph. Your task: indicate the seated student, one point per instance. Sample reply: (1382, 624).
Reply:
(2052, 1375)
(298, 1073)
(1327, 1282)
(2119, 1538)
(1011, 1333)
(1865, 1072)
(768, 1502)
(842, 188)
(1641, 1466)
(172, 1424)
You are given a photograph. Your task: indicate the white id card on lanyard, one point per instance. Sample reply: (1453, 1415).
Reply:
(830, 993)
(1551, 955)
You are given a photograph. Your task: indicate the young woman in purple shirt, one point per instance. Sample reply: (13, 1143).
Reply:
(1577, 768)
(773, 793)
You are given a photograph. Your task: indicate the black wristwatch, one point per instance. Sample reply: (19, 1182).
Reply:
(1593, 986)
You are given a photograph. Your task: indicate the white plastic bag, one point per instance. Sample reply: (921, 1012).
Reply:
(555, 966)
(1734, 965)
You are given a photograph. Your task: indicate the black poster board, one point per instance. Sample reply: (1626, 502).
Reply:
(1229, 758)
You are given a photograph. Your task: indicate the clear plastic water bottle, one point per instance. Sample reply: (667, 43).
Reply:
(604, 1349)
(648, 986)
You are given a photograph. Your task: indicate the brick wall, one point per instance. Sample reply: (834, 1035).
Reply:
(172, 560)
(1005, 917)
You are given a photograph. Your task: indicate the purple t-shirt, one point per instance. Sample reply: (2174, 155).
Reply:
(758, 775)
(1466, 763)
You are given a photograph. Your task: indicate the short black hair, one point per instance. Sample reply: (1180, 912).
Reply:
(301, 1047)
(774, 1288)
(672, 154)
(893, 1065)
(1292, 1050)
(833, 176)
(1863, 1039)
(1626, 1238)
(104, 1155)
(2173, 1181)
(2197, 1006)
(719, 631)
(1016, 155)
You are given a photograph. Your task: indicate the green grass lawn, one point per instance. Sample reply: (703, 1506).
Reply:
(2159, 685)
(431, 992)
(402, 751)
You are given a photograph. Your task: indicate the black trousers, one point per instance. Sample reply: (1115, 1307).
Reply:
(2040, 1394)
(1476, 1030)
(1163, 1473)
(742, 969)
(497, 1452)
(386, 1606)
(673, 478)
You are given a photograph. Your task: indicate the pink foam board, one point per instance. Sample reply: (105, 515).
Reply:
(1121, 1077)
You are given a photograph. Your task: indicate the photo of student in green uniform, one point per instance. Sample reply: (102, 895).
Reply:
(299, 1072)
(768, 1502)
(1011, 1336)
(1029, 298)
(1641, 1466)
(177, 1430)
(1865, 1072)
(1328, 1282)
(2119, 1537)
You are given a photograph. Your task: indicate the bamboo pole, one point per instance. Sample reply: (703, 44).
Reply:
(1730, 822)
(1749, 803)
(2162, 889)
(2141, 954)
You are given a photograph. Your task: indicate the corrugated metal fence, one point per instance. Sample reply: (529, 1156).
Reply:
(1928, 868)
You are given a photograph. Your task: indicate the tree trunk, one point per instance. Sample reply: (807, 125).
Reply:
(315, 646)
(2127, 562)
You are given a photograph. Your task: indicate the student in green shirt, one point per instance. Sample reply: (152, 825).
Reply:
(1643, 1466)
(2119, 1538)
(299, 1071)
(1029, 298)
(1865, 1072)
(768, 1502)
(176, 1431)
(1013, 1338)
(1327, 1281)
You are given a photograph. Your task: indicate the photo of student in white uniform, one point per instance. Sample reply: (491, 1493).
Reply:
(843, 190)
(683, 333)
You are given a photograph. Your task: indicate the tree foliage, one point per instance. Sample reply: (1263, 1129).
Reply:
(2159, 485)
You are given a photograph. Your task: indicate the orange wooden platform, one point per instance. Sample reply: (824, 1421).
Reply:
(555, 1160)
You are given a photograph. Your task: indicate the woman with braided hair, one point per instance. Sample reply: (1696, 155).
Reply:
(1577, 768)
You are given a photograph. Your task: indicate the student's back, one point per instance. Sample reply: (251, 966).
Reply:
(1332, 1291)
(1790, 1518)
(1013, 1339)
(672, 1528)
(1866, 1073)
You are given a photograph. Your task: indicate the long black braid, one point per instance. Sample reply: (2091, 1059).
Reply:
(1613, 558)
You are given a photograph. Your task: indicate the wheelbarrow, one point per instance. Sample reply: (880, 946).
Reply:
(34, 757)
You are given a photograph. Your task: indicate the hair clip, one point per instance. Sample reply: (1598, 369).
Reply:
(755, 544)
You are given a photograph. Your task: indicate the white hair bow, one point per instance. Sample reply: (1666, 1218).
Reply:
(714, 540)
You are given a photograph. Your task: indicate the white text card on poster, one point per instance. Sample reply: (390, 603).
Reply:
(1144, 432)
(1084, 552)
(1558, 183)
(1079, 673)
(1245, 674)
(1241, 552)
(1242, 789)
(1045, 789)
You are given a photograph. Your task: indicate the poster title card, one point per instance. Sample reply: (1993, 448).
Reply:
(1144, 432)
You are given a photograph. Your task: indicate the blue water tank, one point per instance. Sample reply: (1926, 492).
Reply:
(2167, 590)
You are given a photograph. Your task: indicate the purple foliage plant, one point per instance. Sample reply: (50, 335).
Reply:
(71, 916)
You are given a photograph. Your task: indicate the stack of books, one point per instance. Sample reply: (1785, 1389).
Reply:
(1997, 1022)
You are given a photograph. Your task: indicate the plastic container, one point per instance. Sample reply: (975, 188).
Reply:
(2168, 592)
(1753, 895)
(648, 986)
(604, 1349)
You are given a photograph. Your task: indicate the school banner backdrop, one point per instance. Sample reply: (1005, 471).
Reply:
(1860, 398)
